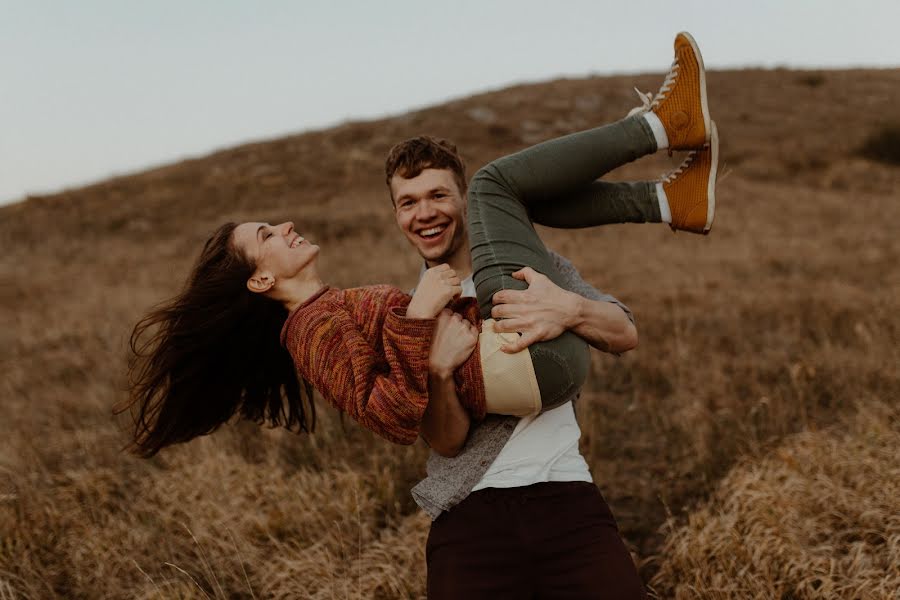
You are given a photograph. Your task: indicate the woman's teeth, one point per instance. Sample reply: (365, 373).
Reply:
(297, 242)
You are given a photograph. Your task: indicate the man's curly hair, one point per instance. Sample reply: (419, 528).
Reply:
(410, 157)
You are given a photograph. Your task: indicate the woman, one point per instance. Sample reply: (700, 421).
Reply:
(256, 322)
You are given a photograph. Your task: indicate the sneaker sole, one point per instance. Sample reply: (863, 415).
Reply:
(704, 106)
(711, 184)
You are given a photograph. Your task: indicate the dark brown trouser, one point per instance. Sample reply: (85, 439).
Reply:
(547, 540)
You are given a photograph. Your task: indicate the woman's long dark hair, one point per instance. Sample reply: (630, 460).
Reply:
(212, 351)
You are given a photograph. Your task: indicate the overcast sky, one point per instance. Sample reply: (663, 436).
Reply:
(94, 88)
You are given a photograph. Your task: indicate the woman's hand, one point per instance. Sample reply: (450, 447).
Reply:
(453, 342)
(438, 286)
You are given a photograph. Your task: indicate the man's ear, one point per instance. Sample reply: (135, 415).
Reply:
(260, 282)
(390, 187)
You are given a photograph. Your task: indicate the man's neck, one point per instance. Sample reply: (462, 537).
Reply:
(460, 261)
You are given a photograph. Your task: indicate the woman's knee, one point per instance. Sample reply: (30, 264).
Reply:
(491, 180)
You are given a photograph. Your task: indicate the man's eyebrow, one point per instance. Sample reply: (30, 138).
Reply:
(431, 192)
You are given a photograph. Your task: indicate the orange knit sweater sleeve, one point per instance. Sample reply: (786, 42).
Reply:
(402, 351)
(337, 342)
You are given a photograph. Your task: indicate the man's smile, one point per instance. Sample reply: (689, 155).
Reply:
(433, 233)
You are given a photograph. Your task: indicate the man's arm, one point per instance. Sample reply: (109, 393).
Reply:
(603, 325)
(445, 424)
(544, 310)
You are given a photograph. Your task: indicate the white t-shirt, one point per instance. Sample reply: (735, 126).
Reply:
(542, 448)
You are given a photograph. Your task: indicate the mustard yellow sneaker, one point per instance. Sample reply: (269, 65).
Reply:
(691, 188)
(681, 101)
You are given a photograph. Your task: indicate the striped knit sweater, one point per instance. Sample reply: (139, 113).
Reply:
(367, 359)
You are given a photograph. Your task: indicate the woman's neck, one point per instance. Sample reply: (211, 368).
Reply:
(293, 293)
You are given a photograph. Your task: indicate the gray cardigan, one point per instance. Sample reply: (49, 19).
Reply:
(450, 480)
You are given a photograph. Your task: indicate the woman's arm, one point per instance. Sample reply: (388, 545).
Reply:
(438, 286)
(336, 343)
(445, 424)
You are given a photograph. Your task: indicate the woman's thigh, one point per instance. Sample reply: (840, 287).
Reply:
(502, 241)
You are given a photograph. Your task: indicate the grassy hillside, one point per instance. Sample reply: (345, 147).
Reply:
(776, 336)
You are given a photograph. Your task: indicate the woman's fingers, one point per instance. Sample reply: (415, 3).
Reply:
(523, 342)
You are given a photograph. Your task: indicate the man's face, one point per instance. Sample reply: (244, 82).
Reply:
(431, 211)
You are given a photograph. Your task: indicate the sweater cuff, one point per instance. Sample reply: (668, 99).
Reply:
(397, 322)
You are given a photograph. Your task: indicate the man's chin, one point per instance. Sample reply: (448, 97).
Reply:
(434, 255)
(437, 259)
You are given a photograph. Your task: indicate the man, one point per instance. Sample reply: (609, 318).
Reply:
(487, 480)
(515, 511)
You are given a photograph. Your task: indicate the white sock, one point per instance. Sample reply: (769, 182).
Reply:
(659, 132)
(664, 213)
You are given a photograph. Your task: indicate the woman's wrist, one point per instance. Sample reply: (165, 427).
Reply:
(413, 311)
(439, 372)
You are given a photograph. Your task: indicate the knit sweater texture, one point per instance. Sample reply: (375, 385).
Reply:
(367, 359)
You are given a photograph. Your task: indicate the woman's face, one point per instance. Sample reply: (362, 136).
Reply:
(279, 252)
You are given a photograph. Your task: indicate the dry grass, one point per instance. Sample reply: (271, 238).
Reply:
(883, 145)
(784, 320)
(818, 518)
(220, 521)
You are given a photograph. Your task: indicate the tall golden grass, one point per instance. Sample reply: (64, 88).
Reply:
(818, 517)
(767, 374)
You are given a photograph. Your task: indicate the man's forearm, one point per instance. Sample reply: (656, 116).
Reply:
(445, 424)
(603, 325)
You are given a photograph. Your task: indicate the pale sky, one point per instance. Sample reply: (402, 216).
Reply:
(94, 88)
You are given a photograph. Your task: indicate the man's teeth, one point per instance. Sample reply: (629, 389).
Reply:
(432, 231)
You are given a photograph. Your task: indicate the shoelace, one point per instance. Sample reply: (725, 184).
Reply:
(648, 100)
(673, 175)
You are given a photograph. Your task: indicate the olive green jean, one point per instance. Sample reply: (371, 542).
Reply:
(555, 184)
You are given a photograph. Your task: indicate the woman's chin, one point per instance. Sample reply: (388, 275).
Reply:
(309, 269)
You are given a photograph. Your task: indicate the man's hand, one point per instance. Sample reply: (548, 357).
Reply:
(453, 342)
(540, 313)
(438, 286)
